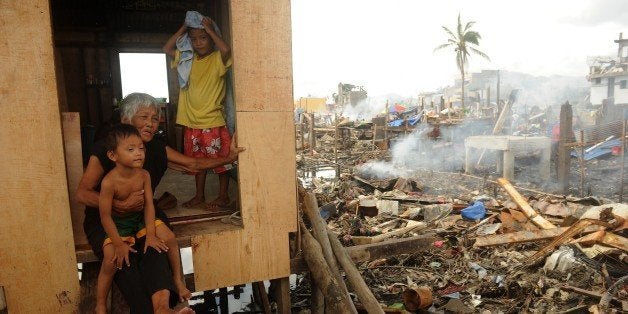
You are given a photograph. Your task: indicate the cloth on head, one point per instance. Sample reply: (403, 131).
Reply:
(193, 19)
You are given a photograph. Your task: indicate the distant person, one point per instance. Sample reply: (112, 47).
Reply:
(202, 59)
(125, 148)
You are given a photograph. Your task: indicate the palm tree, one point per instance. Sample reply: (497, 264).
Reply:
(463, 42)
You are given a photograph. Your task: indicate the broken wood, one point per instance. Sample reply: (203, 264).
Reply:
(365, 295)
(605, 238)
(518, 237)
(336, 300)
(524, 206)
(368, 252)
(588, 293)
(564, 237)
(412, 225)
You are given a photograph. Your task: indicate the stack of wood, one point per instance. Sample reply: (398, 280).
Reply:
(324, 255)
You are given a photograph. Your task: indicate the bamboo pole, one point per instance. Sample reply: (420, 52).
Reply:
(319, 229)
(336, 300)
(365, 295)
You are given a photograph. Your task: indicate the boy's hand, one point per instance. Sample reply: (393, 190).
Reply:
(156, 243)
(207, 23)
(121, 254)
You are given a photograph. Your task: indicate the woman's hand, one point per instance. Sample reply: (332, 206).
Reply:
(121, 254)
(156, 243)
(133, 203)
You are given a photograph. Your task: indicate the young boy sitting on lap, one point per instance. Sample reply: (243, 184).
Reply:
(126, 149)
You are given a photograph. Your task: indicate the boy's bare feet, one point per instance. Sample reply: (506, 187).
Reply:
(195, 201)
(184, 293)
(220, 203)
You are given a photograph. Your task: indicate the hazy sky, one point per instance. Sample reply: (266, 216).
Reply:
(388, 46)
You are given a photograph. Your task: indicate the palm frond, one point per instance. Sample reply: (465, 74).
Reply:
(451, 34)
(480, 53)
(442, 46)
(469, 25)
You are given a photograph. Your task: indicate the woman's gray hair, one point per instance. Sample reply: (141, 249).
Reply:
(134, 102)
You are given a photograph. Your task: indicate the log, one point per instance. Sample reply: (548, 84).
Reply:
(525, 207)
(336, 300)
(412, 225)
(317, 301)
(319, 229)
(365, 295)
(369, 252)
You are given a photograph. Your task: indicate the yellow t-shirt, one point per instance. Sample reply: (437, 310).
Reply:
(200, 103)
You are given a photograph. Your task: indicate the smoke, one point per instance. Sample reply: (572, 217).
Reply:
(364, 110)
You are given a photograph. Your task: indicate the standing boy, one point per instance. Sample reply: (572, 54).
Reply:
(202, 71)
(125, 147)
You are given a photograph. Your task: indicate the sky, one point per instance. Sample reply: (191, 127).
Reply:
(388, 46)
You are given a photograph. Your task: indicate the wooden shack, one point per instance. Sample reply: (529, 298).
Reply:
(61, 56)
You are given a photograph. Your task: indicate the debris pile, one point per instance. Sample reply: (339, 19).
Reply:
(493, 246)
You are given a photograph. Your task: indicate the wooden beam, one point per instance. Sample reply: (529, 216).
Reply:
(368, 252)
(39, 272)
(525, 207)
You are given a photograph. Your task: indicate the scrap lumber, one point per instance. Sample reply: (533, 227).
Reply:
(365, 295)
(588, 293)
(518, 237)
(411, 226)
(564, 237)
(319, 229)
(605, 238)
(369, 252)
(336, 300)
(525, 207)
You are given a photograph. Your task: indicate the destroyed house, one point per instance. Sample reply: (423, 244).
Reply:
(609, 77)
(61, 73)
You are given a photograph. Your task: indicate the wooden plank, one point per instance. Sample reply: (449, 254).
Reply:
(262, 28)
(38, 263)
(267, 170)
(525, 207)
(74, 170)
(519, 237)
(240, 256)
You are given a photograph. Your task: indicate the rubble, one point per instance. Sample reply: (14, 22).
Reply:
(531, 250)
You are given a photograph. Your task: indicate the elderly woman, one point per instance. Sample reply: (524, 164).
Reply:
(146, 283)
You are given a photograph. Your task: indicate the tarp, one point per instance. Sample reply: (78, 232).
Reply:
(601, 150)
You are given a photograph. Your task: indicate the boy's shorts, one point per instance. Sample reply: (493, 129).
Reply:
(207, 143)
(130, 227)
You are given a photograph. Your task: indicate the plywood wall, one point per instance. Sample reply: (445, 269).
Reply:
(37, 261)
(262, 67)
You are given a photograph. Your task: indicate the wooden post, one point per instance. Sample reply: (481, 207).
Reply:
(319, 230)
(336, 300)
(312, 133)
(581, 163)
(386, 127)
(566, 118)
(623, 162)
(281, 293)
